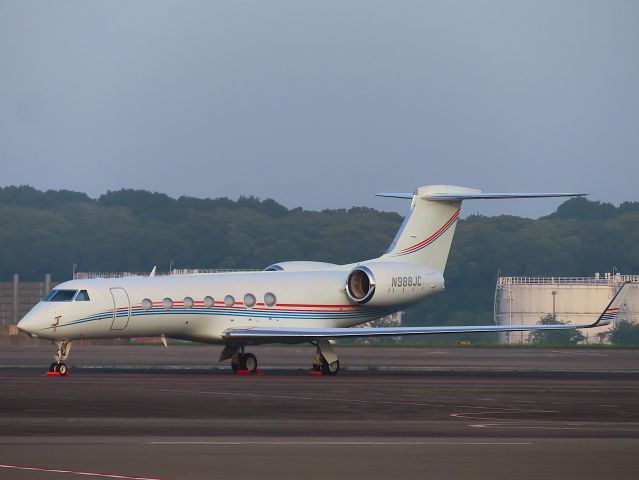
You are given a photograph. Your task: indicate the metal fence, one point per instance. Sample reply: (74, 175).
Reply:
(175, 271)
(17, 298)
(606, 279)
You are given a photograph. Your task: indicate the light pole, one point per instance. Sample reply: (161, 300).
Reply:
(171, 267)
(554, 312)
(510, 310)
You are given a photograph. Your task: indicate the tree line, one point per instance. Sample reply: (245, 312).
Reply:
(133, 230)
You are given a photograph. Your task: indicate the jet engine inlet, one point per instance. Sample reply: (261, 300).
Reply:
(360, 285)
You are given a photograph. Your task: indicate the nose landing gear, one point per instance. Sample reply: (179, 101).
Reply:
(59, 368)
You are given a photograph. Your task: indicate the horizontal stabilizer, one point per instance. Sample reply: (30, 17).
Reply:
(496, 196)
(445, 197)
(407, 196)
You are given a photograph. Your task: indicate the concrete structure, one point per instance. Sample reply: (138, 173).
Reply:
(578, 300)
(392, 320)
(17, 298)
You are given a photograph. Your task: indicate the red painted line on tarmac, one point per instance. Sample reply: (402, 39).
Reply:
(78, 472)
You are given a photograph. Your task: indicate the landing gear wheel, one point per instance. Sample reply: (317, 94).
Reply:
(248, 361)
(52, 366)
(329, 368)
(61, 368)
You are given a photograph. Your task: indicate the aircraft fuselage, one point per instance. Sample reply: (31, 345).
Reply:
(201, 307)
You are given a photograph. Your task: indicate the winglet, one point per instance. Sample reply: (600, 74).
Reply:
(611, 311)
(152, 274)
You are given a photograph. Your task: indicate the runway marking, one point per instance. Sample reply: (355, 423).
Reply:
(530, 424)
(353, 400)
(586, 354)
(77, 472)
(336, 443)
(584, 428)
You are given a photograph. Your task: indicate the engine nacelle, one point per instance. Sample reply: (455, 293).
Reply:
(390, 283)
(300, 266)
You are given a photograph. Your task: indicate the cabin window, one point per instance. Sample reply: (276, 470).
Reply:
(147, 304)
(60, 296)
(188, 302)
(167, 303)
(249, 300)
(208, 301)
(229, 301)
(269, 299)
(82, 296)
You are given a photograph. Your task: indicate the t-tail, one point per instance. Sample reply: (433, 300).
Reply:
(427, 233)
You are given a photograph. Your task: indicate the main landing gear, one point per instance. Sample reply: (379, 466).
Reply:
(62, 353)
(325, 360)
(240, 360)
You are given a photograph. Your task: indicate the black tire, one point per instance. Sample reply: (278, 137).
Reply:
(61, 368)
(52, 366)
(248, 361)
(329, 368)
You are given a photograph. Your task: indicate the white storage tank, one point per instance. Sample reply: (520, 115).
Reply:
(578, 300)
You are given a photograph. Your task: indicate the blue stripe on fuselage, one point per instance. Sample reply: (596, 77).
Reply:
(253, 313)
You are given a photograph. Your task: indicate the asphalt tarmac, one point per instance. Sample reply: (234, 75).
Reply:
(156, 413)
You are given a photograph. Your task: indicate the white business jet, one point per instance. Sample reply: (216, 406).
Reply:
(288, 302)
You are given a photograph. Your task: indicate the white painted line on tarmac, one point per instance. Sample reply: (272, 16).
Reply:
(329, 443)
(595, 428)
(354, 400)
(580, 354)
(77, 472)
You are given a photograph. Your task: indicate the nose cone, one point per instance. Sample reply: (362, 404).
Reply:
(27, 324)
(33, 321)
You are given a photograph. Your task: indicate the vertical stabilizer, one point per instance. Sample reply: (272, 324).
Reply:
(427, 232)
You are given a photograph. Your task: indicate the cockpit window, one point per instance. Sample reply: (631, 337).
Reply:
(49, 294)
(60, 296)
(82, 296)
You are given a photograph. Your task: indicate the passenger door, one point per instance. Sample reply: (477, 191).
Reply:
(121, 308)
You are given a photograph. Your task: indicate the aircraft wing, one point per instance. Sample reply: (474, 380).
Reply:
(285, 335)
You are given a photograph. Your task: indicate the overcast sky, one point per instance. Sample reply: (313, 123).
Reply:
(321, 104)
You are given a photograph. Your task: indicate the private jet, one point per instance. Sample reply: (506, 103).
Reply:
(288, 302)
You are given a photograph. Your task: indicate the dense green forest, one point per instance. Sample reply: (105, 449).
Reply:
(134, 230)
